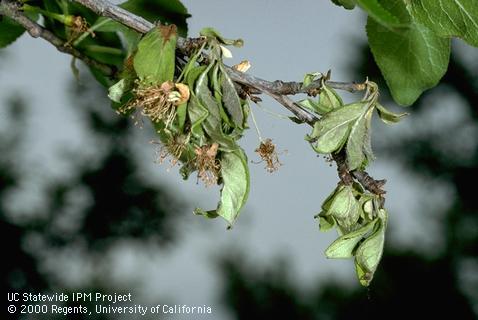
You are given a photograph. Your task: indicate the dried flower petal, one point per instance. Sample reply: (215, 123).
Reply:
(226, 53)
(183, 93)
(243, 66)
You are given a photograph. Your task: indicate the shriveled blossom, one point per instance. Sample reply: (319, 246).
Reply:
(158, 102)
(78, 26)
(207, 164)
(172, 149)
(267, 152)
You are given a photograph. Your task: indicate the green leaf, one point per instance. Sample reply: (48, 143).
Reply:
(213, 33)
(347, 4)
(181, 113)
(329, 100)
(314, 106)
(389, 117)
(234, 193)
(216, 89)
(412, 60)
(367, 146)
(448, 18)
(193, 74)
(326, 222)
(166, 11)
(131, 37)
(197, 114)
(211, 214)
(309, 78)
(345, 208)
(212, 124)
(369, 252)
(380, 14)
(344, 246)
(231, 100)
(155, 60)
(332, 130)
(357, 140)
(9, 31)
(116, 91)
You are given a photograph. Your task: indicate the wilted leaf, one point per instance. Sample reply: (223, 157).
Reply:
(231, 100)
(369, 253)
(332, 130)
(212, 123)
(357, 140)
(155, 60)
(213, 33)
(326, 222)
(116, 91)
(197, 113)
(329, 99)
(388, 116)
(234, 193)
(345, 208)
(344, 246)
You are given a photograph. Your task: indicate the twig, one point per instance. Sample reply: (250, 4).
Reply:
(12, 11)
(276, 89)
(107, 9)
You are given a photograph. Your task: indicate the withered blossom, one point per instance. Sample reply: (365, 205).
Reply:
(207, 164)
(267, 152)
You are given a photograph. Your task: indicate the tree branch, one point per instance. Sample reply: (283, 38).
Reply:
(278, 89)
(107, 9)
(11, 10)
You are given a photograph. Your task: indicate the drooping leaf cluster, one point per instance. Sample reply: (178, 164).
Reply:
(195, 109)
(357, 214)
(410, 39)
(199, 113)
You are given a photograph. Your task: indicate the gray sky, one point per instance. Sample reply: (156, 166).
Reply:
(283, 40)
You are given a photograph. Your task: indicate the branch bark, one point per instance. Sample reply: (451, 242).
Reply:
(11, 10)
(278, 90)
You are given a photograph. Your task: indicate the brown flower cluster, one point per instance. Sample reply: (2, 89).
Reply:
(158, 102)
(78, 25)
(267, 152)
(173, 149)
(207, 164)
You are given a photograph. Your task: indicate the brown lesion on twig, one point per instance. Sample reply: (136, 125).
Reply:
(369, 183)
(342, 168)
(347, 177)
